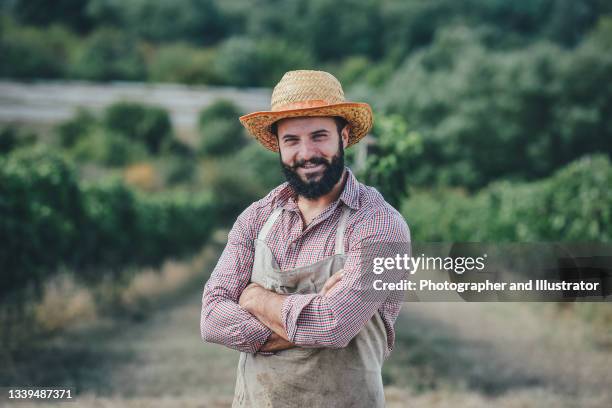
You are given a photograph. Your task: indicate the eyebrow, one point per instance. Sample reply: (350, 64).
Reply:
(319, 131)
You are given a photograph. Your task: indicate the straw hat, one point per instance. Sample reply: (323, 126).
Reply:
(308, 93)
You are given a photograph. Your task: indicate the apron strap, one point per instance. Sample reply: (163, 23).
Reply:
(340, 231)
(263, 233)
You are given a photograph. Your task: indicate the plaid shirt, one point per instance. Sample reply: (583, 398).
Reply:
(311, 320)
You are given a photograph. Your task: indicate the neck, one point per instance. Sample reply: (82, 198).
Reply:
(312, 205)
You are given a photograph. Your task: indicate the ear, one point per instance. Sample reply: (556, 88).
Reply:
(346, 131)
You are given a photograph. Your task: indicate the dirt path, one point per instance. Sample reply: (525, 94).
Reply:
(447, 355)
(48, 102)
(160, 362)
(506, 354)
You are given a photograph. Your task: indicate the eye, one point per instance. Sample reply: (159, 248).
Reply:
(290, 140)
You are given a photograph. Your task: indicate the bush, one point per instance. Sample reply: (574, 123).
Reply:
(12, 138)
(392, 164)
(261, 166)
(72, 13)
(220, 130)
(127, 228)
(48, 220)
(111, 233)
(178, 170)
(487, 115)
(184, 64)
(29, 52)
(40, 215)
(173, 224)
(575, 204)
(233, 187)
(139, 123)
(72, 130)
(243, 61)
(196, 21)
(108, 148)
(109, 54)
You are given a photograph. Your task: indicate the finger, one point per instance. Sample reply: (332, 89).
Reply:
(332, 280)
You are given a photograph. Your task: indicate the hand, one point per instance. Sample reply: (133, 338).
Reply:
(276, 343)
(331, 282)
(248, 298)
(265, 305)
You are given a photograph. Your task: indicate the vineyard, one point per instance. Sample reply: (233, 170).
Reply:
(123, 165)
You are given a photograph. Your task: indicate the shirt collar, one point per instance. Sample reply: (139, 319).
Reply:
(286, 197)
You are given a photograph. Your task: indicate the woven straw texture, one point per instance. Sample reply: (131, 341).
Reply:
(308, 93)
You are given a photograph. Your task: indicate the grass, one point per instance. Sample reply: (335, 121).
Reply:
(69, 336)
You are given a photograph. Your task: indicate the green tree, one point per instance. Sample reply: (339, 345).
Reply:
(72, 13)
(139, 123)
(109, 54)
(195, 21)
(220, 130)
(244, 61)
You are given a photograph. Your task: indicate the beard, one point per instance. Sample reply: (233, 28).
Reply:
(312, 189)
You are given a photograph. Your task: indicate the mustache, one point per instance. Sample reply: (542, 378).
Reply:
(314, 160)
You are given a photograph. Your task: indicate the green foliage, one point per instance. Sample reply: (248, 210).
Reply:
(109, 54)
(244, 61)
(29, 52)
(72, 130)
(238, 179)
(128, 228)
(174, 223)
(485, 115)
(112, 226)
(179, 170)
(48, 220)
(260, 166)
(220, 130)
(126, 132)
(12, 138)
(183, 63)
(575, 204)
(233, 186)
(219, 109)
(72, 13)
(107, 148)
(391, 164)
(258, 43)
(339, 28)
(139, 123)
(197, 21)
(40, 215)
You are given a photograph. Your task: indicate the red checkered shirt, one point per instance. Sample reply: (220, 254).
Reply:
(311, 320)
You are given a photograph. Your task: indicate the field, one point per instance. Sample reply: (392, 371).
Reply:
(447, 354)
(123, 164)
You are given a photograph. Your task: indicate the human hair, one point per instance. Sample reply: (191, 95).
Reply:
(340, 124)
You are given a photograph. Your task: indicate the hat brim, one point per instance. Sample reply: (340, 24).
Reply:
(357, 114)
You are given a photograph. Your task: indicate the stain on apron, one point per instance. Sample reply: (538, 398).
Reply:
(311, 377)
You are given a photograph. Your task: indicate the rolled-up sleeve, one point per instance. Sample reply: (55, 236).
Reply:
(332, 321)
(222, 320)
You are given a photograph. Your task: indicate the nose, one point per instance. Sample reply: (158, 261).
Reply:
(307, 151)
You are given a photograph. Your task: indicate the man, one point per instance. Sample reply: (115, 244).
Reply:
(285, 291)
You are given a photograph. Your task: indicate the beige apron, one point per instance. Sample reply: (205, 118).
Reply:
(311, 377)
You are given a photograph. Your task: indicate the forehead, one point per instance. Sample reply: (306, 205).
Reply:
(305, 124)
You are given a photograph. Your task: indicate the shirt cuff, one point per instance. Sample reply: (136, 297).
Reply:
(291, 310)
(261, 336)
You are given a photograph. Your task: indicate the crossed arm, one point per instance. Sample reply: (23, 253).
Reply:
(249, 318)
(267, 306)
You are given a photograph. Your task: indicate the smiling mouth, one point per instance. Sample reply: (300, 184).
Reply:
(311, 166)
